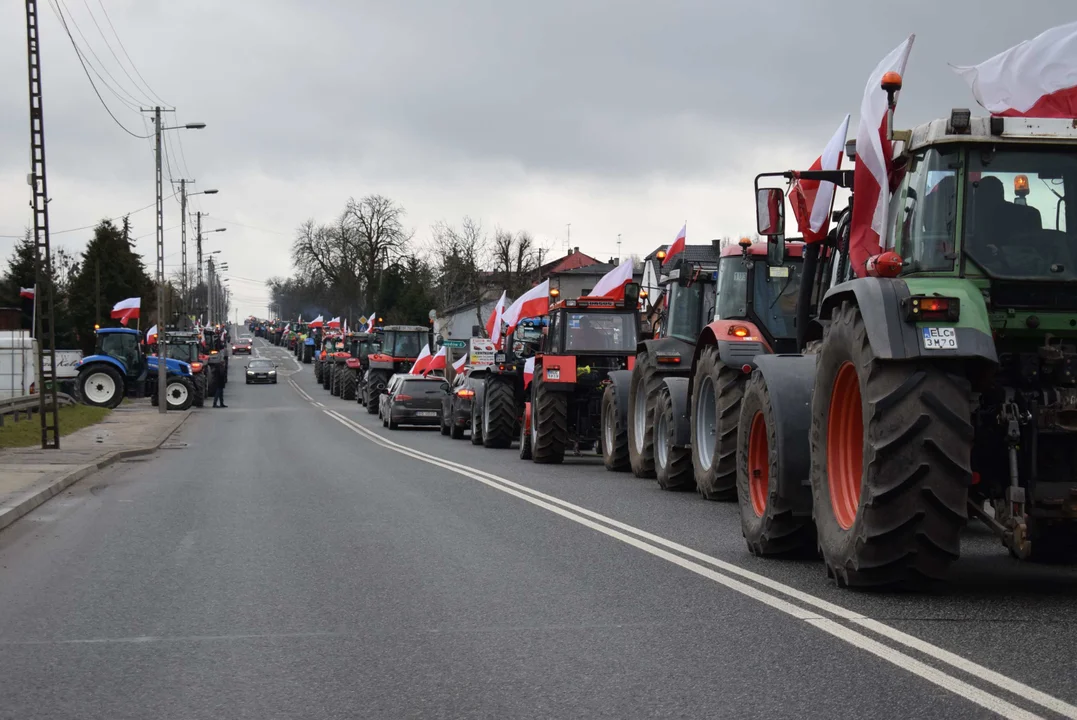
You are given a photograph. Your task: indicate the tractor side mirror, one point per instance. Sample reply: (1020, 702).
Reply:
(770, 211)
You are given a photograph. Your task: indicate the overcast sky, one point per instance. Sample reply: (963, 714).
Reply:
(617, 117)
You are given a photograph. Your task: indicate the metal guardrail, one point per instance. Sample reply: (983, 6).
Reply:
(27, 405)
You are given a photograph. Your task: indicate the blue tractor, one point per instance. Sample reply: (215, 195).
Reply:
(119, 368)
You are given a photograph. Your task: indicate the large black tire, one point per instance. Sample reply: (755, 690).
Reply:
(318, 372)
(775, 516)
(456, 431)
(327, 374)
(99, 395)
(717, 390)
(498, 412)
(308, 354)
(376, 380)
(549, 423)
(891, 448)
(525, 440)
(179, 393)
(614, 433)
(672, 464)
(348, 384)
(335, 380)
(200, 389)
(643, 386)
(476, 424)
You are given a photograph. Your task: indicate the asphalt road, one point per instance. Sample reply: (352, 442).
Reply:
(290, 558)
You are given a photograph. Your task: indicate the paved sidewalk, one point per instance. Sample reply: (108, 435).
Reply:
(30, 476)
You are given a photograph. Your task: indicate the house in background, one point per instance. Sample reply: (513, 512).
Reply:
(577, 281)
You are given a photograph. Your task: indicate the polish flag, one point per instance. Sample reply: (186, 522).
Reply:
(27, 293)
(678, 244)
(1037, 78)
(317, 322)
(612, 284)
(493, 323)
(436, 363)
(874, 153)
(812, 200)
(124, 310)
(151, 335)
(421, 362)
(335, 323)
(529, 371)
(533, 303)
(370, 323)
(458, 366)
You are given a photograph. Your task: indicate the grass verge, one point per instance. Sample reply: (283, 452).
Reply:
(26, 433)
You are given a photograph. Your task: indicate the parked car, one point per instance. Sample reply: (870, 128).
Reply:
(242, 346)
(414, 400)
(383, 399)
(456, 403)
(261, 371)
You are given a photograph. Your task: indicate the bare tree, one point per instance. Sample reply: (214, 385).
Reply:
(516, 259)
(379, 238)
(459, 256)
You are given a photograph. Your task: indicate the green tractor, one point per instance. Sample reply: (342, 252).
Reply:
(937, 380)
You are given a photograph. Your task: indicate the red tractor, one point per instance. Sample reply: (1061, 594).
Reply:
(400, 348)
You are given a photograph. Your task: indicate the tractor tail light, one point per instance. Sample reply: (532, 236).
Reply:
(739, 331)
(922, 308)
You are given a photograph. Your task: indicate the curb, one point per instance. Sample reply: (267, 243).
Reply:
(10, 513)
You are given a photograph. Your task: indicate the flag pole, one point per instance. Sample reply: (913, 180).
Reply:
(33, 314)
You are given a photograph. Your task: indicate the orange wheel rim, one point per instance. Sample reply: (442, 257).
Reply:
(758, 464)
(845, 446)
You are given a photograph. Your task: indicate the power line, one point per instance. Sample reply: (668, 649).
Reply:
(122, 48)
(134, 102)
(115, 57)
(82, 62)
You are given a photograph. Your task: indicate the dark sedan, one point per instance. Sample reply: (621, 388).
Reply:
(456, 404)
(415, 401)
(242, 346)
(261, 371)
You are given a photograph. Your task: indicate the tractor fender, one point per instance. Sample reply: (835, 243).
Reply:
(882, 303)
(172, 366)
(790, 380)
(682, 422)
(480, 393)
(353, 363)
(669, 347)
(86, 362)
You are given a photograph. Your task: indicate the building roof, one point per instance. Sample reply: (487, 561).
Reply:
(597, 268)
(574, 259)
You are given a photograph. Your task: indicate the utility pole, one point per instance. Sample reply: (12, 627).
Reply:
(162, 342)
(183, 245)
(198, 244)
(209, 295)
(568, 238)
(43, 291)
(618, 248)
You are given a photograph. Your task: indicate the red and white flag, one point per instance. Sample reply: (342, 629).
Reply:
(533, 303)
(1037, 78)
(436, 363)
(370, 323)
(124, 310)
(612, 284)
(421, 362)
(335, 323)
(812, 200)
(316, 322)
(458, 366)
(529, 371)
(151, 335)
(493, 323)
(27, 293)
(874, 154)
(678, 244)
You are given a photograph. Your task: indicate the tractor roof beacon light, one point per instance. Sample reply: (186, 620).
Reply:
(661, 254)
(1020, 186)
(554, 292)
(891, 84)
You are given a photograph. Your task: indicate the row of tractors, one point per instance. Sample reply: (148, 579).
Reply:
(122, 365)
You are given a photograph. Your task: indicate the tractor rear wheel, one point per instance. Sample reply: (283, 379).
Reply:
(642, 393)
(335, 380)
(200, 389)
(348, 384)
(716, 396)
(376, 380)
(891, 447)
(327, 375)
(101, 386)
(525, 434)
(318, 372)
(768, 517)
(498, 412)
(476, 424)
(672, 464)
(614, 436)
(549, 423)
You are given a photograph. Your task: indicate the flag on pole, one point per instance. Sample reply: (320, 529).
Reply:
(317, 322)
(612, 284)
(373, 319)
(436, 363)
(335, 323)
(533, 303)
(812, 200)
(151, 335)
(678, 244)
(28, 293)
(529, 371)
(1037, 78)
(458, 366)
(874, 156)
(421, 361)
(124, 310)
(493, 323)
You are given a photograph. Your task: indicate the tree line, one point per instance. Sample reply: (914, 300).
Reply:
(366, 260)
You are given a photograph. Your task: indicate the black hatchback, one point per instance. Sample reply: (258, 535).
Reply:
(415, 401)
(261, 371)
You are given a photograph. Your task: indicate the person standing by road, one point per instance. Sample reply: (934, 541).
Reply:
(218, 395)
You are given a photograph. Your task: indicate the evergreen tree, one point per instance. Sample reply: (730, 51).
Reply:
(20, 274)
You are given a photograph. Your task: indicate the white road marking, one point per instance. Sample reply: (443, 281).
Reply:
(580, 515)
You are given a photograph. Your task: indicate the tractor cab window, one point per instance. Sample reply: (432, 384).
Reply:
(923, 213)
(185, 352)
(732, 289)
(403, 344)
(774, 301)
(1017, 212)
(688, 309)
(121, 346)
(598, 332)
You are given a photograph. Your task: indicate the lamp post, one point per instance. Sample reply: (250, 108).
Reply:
(198, 241)
(162, 337)
(183, 238)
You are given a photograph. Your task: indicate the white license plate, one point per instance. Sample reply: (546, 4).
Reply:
(426, 413)
(553, 374)
(940, 338)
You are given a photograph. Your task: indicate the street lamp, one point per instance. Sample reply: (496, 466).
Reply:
(162, 337)
(184, 290)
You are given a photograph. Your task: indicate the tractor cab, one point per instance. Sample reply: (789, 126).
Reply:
(688, 296)
(595, 327)
(752, 288)
(121, 344)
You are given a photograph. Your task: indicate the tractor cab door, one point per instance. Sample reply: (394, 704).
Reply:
(123, 347)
